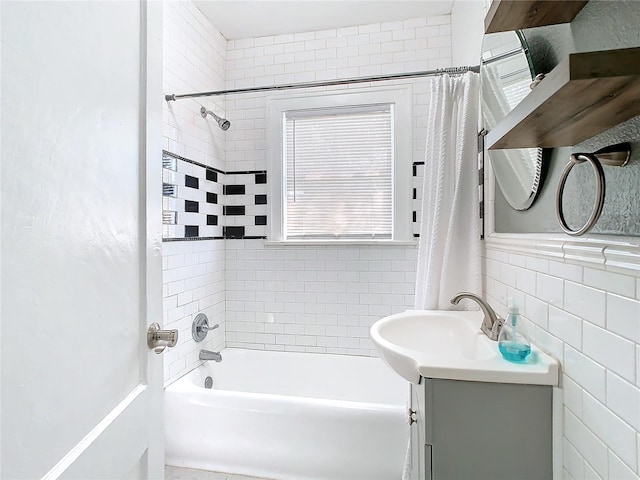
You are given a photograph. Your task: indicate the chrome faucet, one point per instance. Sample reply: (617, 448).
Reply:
(492, 323)
(207, 355)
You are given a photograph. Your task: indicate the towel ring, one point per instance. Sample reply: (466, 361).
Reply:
(577, 158)
(617, 156)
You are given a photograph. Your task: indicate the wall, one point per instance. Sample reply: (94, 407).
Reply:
(621, 211)
(580, 299)
(467, 26)
(587, 315)
(320, 299)
(193, 271)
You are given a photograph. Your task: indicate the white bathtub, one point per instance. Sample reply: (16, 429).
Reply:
(289, 416)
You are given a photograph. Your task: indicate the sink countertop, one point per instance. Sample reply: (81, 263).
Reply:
(449, 345)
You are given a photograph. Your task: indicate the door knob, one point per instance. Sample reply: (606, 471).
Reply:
(158, 339)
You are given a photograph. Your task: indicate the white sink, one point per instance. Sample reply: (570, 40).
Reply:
(450, 345)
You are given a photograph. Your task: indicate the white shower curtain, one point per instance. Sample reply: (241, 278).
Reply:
(449, 245)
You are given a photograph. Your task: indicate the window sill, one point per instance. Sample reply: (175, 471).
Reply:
(335, 243)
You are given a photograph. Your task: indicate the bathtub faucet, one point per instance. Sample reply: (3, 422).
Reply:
(207, 355)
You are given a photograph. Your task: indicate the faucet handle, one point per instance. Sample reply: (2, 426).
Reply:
(200, 327)
(497, 326)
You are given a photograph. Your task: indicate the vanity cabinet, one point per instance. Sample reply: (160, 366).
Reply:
(477, 430)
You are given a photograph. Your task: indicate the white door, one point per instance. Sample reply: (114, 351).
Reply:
(81, 235)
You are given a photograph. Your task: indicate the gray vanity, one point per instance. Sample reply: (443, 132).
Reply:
(465, 430)
(473, 414)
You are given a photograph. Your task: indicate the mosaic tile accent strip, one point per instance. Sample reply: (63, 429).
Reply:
(187, 188)
(417, 179)
(203, 203)
(481, 136)
(246, 204)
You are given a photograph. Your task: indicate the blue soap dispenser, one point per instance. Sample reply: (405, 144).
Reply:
(512, 343)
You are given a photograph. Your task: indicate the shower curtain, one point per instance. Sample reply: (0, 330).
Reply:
(449, 255)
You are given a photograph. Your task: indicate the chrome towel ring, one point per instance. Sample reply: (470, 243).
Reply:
(617, 156)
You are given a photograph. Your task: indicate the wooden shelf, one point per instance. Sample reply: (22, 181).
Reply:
(584, 95)
(506, 15)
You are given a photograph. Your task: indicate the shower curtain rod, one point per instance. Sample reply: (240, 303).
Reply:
(329, 83)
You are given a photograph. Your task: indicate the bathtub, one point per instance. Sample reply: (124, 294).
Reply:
(289, 416)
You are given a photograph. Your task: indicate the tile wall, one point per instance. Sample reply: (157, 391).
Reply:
(589, 318)
(314, 299)
(192, 200)
(321, 299)
(394, 47)
(194, 55)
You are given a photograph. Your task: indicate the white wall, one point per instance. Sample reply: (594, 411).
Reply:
(467, 28)
(320, 299)
(581, 303)
(589, 318)
(193, 271)
(395, 47)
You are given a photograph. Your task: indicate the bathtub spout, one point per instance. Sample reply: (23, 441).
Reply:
(207, 355)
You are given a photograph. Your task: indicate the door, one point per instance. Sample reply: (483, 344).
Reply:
(81, 90)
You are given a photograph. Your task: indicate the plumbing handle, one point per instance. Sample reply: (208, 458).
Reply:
(200, 327)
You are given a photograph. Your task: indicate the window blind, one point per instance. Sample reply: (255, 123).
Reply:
(339, 178)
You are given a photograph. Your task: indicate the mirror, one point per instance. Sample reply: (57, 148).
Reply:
(506, 72)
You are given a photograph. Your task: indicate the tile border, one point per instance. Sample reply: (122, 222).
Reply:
(614, 254)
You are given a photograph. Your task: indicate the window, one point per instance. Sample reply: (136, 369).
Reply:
(341, 166)
(339, 173)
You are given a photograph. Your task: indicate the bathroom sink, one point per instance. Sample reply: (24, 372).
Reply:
(450, 345)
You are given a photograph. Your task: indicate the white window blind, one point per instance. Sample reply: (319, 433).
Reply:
(338, 173)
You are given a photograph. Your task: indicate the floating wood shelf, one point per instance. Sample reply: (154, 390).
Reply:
(586, 94)
(506, 15)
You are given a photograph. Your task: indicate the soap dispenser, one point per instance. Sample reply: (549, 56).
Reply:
(512, 343)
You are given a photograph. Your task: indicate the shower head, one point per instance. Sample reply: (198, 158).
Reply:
(223, 123)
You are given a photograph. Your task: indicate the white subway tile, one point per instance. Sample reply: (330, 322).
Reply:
(610, 350)
(536, 310)
(587, 373)
(285, 38)
(623, 399)
(550, 289)
(618, 436)
(573, 461)
(406, 34)
(587, 443)
(566, 271)
(587, 303)
(326, 34)
(611, 282)
(618, 470)
(566, 327)
(572, 395)
(346, 31)
(550, 344)
(623, 317)
(391, 26)
(537, 264)
(638, 365)
(372, 28)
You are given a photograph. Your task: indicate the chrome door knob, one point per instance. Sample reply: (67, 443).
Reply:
(158, 339)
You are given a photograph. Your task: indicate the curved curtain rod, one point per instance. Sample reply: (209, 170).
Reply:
(329, 83)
